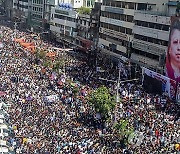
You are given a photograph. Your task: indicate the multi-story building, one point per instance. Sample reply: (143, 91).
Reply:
(40, 13)
(127, 25)
(95, 23)
(116, 24)
(150, 41)
(20, 9)
(63, 24)
(151, 35)
(88, 29)
(35, 12)
(6, 8)
(83, 41)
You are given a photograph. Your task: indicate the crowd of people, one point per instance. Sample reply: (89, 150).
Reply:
(49, 112)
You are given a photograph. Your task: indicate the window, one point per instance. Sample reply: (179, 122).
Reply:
(116, 28)
(24, 0)
(129, 18)
(113, 3)
(158, 26)
(106, 2)
(151, 25)
(131, 5)
(122, 29)
(165, 27)
(123, 4)
(122, 17)
(117, 16)
(129, 31)
(144, 24)
(118, 4)
(142, 6)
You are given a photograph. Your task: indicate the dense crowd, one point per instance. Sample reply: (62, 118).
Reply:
(49, 112)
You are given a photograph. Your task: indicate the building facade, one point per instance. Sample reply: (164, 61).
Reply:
(83, 41)
(150, 41)
(88, 29)
(20, 8)
(138, 30)
(35, 12)
(63, 24)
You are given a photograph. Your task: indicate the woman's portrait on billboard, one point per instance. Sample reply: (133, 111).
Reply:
(173, 53)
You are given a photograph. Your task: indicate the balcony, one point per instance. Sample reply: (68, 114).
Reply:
(144, 60)
(113, 33)
(153, 18)
(151, 32)
(148, 47)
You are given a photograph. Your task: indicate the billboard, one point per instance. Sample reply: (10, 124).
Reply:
(173, 53)
(157, 83)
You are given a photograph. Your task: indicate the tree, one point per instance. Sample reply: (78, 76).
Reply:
(47, 63)
(57, 65)
(40, 54)
(84, 10)
(102, 101)
(124, 129)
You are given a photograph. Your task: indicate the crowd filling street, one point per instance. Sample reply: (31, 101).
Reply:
(47, 115)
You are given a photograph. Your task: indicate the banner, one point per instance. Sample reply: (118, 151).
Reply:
(167, 85)
(173, 53)
(21, 40)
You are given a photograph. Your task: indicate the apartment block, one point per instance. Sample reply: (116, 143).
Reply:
(20, 8)
(83, 41)
(136, 29)
(150, 41)
(63, 24)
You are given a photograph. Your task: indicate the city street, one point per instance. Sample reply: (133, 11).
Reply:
(49, 110)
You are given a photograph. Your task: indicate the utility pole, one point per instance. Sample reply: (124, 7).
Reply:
(15, 28)
(118, 85)
(64, 69)
(117, 93)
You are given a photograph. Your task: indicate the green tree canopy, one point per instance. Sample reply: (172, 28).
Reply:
(84, 10)
(57, 65)
(124, 129)
(47, 63)
(102, 101)
(41, 54)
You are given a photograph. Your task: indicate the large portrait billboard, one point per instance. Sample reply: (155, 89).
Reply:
(173, 53)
